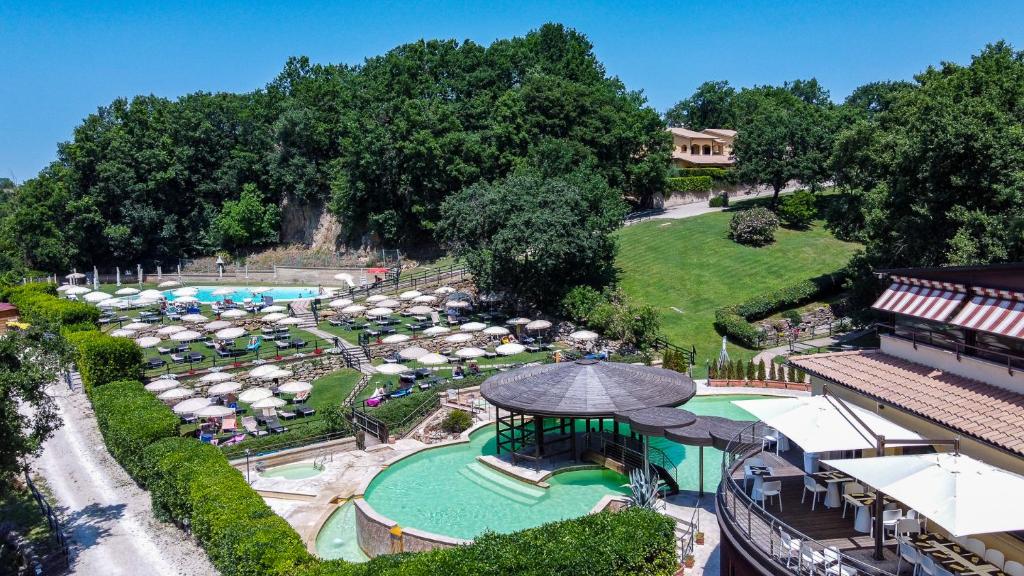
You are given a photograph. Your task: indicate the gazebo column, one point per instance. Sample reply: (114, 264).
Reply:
(615, 431)
(572, 439)
(497, 433)
(701, 481)
(538, 430)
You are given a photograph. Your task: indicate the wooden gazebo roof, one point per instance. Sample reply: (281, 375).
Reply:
(708, 431)
(586, 389)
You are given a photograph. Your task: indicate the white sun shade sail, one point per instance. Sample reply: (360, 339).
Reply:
(186, 336)
(376, 298)
(162, 385)
(216, 377)
(168, 330)
(396, 339)
(176, 394)
(230, 333)
(413, 352)
(392, 369)
(821, 424)
(458, 338)
(963, 495)
(214, 411)
(538, 325)
(410, 294)
(147, 341)
(253, 394)
(353, 309)
(435, 330)
(425, 299)
(194, 318)
(274, 317)
(188, 291)
(126, 291)
(510, 349)
(469, 352)
(496, 331)
(96, 296)
(267, 403)
(432, 359)
(295, 387)
(340, 303)
(234, 313)
(224, 388)
(168, 284)
(191, 405)
(218, 325)
(472, 326)
(583, 336)
(272, 308)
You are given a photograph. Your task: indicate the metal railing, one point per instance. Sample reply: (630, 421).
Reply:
(769, 534)
(632, 453)
(663, 344)
(237, 450)
(946, 342)
(688, 539)
(63, 550)
(409, 282)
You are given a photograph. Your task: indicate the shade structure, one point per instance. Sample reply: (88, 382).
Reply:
(457, 304)
(396, 338)
(75, 276)
(186, 300)
(373, 299)
(251, 395)
(583, 336)
(928, 300)
(168, 330)
(234, 313)
(510, 349)
(277, 374)
(273, 317)
(963, 495)
(586, 389)
(259, 371)
(289, 321)
(127, 291)
(410, 294)
(223, 292)
(458, 338)
(716, 431)
(379, 312)
(413, 352)
(1002, 315)
(469, 352)
(191, 405)
(214, 411)
(472, 326)
(436, 330)
(168, 284)
(123, 333)
(230, 333)
(151, 294)
(224, 388)
(444, 290)
(353, 309)
(78, 290)
(496, 331)
(186, 336)
(432, 359)
(538, 325)
(63, 287)
(655, 420)
(518, 321)
(96, 296)
(113, 303)
(420, 310)
(425, 299)
(267, 403)
(389, 303)
(162, 385)
(272, 308)
(176, 393)
(187, 291)
(194, 318)
(216, 377)
(340, 303)
(392, 369)
(823, 424)
(345, 277)
(295, 387)
(147, 341)
(217, 325)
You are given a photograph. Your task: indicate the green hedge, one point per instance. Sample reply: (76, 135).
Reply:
(102, 358)
(37, 304)
(719, 201)
(713, 173)
(130, 419)
(689, 184)
(734, 321)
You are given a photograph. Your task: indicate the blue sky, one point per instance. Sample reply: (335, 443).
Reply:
(59, 61)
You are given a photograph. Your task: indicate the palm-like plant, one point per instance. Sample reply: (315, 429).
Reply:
(644, 489)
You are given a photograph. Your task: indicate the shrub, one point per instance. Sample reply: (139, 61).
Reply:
(719, 201)
(130, 419)
(771, 372)
(456, 421)
(798, 209)
(398, 410)
(37, 304)
(754, 227)
(689, 184)
(102, 358)
(581, 302)
(761, 375)
(766, 304)
(713, 173)
(793, 316)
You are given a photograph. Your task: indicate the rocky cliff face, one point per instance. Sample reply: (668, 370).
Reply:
(308, 223)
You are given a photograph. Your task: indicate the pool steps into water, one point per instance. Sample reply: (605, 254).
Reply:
(502, 485)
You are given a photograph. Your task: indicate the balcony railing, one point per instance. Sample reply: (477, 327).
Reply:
(946, 342)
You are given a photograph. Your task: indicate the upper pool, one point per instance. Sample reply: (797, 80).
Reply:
(447, 491)
(240, 293)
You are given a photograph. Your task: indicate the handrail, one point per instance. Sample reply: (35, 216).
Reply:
(735, 503)
(51, 519)
(928, 337)
(687, 540)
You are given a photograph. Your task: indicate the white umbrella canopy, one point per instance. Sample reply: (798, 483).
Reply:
(127, 291)
(96, 296)
(123, 333)
(295, 387)
(379, 312)
(420, 310)
(224, 388)
(435, 330)
(112, 303)
(216, 377)
(223, 292)
(353, 309)
(234, 313)
(583, 336)
(457, 304)
(340, 303)
(168, 284)
(376, 298)
(63, 287)
(469, 352)
(214, 411)
(135, 326)
(151, 294)
(963, 495)
(162, 385)
(510, 349)
(186, 336)
(218, 325)
(425, 299)
(168, 330)
(194, 318)
(458, 338)
(472, 326)
(259, 371)
(518, 321)
(176, 393)
(496, 331)
(273, 317)
(230, 333)
(410, 294)
(191, 405)
(413, 352)
(822, 424)
(389, 303)
(267, 403)
(344, 277)
(444, 290)
(277, 374)
(392, 369)
(273, 308)
(432, 359)
(396, 338)
(78, 290)
(538, 325)
(289, 321)
(251, 395)
(187, 291)
(147, 341)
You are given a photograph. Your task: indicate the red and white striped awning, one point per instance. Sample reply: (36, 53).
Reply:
(921, 298)
(996, 311)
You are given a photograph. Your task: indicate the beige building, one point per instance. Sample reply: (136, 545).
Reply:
(711, 148)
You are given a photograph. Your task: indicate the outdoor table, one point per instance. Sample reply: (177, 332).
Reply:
(862, 503)
(758, 473)
(953, 557)
(832, 479)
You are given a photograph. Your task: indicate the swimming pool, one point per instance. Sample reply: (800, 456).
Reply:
(280, 293)
(447, 491)
(338, 540)
(297, 471)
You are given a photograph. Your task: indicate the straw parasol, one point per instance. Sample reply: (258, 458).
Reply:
(295, 387)
(234, 313)
(251, 395)
(435, 330)
(432, 359)
(496, 331)
(413, 352)
(168, 330)
(230, 333)
(396, 338)
(469, 352)
(458, 338)
(147, 341)
(214, 411)
(191, 405)
(472, 326)
(410, 294)
(224, 388)
(162, 385)
(392, 369)
(186, 336)
(510, 349)
(216, 377)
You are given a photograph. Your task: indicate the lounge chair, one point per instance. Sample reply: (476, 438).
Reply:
(163, 350)
(298, 343)
(155, 363)
(301, 397)
(401, 392)
(274, 425)
(250, 425)
(254, 344)
(286, 414)
(304, 410)
(228, 424)
(233, 440)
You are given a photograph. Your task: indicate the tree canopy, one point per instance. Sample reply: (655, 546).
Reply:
(710, 106)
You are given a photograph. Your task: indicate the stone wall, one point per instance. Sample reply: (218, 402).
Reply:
(375, 538)
(801, 386)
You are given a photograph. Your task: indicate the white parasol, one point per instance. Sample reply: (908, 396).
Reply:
(223, 388)
(295, 387)
(340, 303)
(162, 385)
(410, 294)
(234, 313)
(538, 325)
(253, 394)
(194, 318)
(392, 369)
(510, 349)
(216, 377)
(379, 312)
(435, 330)
(395, 338)
(425, 299)
(147, 341)
(469, 352)
(496, 331)
(186, 336)
(432, 359)
(413, 352)
(353, 309)
(168, 330)
(127, 291)
(191, 405)
(214, 411)
(472, 326)
(584, 336)
(273, 308)
(176, 393)
(458, 338)
(273, 317)
(230, 333)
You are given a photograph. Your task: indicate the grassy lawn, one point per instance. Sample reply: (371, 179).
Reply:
(19, 508)
(688, 268)
(331, 390)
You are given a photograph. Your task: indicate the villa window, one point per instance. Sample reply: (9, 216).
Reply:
(707, 150)
(694, 149)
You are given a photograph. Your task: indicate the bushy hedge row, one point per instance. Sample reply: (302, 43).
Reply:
(38, 304)
(689, 184)
(714, 173)
(734, 321)
(130, 419)
(102, 358)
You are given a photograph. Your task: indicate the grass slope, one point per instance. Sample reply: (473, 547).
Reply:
(692, 265)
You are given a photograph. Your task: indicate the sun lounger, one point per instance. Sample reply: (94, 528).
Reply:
(336, 322)
(228, 424)
(230, 353)
(301, 397)
(287, 415)
(155, 363)
(304, 410)
(250, 425)
(234, 440)
(274, 425)
(298, 343)
(283, 344)
(401, 392)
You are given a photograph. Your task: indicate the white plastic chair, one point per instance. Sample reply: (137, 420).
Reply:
(810, 558)
(926, 564)
(772, 437)
(907, 526)
(810, 485)
(975, 545)
(790, 546)
(995, 557)
(851, 488)
(889, 519)
(908, 553)
(769, 489)
(1013, 568)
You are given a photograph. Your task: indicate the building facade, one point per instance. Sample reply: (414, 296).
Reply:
(710, 148)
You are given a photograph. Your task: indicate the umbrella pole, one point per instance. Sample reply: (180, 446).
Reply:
(879, 508)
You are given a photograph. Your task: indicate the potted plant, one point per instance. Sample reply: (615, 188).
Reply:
(688, 561)
(699, 537)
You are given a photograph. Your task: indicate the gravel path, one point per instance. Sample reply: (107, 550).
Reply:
(108, 519)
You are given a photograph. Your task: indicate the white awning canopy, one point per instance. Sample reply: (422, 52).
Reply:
(963, 495)
(822, 424)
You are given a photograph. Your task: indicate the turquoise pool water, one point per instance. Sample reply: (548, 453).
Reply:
(297, 471)
(447, 491)
(205, 293)
(337, 540)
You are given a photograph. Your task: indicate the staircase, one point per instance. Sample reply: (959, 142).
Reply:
(302, 311)
(622, 459)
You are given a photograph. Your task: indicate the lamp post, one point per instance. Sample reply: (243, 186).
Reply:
(247, 481)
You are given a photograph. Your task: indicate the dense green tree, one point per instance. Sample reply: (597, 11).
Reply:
(710, 106)
(798, 209)
(247, 222)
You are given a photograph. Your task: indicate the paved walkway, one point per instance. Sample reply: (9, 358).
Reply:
(698, 208)
(108, 519)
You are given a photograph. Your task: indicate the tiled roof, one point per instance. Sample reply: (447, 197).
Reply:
(720, 132)
(986, 412)
(687, 133)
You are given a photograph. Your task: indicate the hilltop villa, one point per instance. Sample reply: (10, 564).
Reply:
(710, 148)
